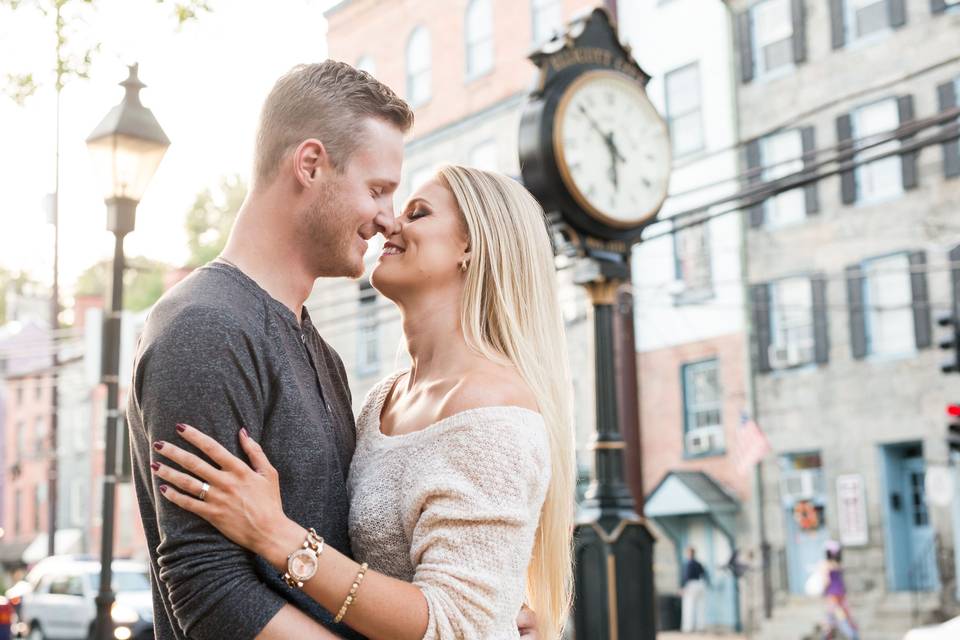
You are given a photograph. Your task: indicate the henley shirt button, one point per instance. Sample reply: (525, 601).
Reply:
(303, 338)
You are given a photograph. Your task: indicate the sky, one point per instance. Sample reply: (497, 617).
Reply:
(205, 84)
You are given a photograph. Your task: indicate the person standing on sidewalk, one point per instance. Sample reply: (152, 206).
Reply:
(694, 586)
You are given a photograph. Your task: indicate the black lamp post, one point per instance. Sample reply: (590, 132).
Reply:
(126, 148)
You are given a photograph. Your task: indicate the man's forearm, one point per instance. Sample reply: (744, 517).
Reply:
(290, 622)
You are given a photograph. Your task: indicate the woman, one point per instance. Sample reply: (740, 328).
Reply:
(462, 481)
(835, 592)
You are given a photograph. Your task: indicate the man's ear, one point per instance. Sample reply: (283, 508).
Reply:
(310, 160)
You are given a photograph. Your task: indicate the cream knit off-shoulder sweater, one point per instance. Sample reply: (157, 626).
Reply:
(453, 509)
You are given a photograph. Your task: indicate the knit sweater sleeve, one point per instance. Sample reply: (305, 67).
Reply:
(478, 501)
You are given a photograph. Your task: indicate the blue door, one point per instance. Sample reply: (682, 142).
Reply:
(922, 571)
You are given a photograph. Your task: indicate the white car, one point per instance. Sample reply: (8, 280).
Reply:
(949, 630)
(62, 605)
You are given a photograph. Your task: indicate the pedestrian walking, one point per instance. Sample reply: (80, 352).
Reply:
(838, 615)
(694, 588)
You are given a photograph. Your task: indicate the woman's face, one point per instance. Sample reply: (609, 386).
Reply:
(425, 251)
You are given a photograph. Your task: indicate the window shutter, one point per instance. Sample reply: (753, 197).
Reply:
(821, 334)
(858, 327)
(754, 178)
(908, 164)
(921, 299)
(898, 13)
(810, 195)
(760, 295)
(848, 181)
(797, 10)
(746, 47)
(954, 257)
(938, 6)
(947, 95)
(838, 27)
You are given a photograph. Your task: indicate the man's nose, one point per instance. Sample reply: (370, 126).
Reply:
(386, 223)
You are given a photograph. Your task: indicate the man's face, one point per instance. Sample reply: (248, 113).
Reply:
(353, 205)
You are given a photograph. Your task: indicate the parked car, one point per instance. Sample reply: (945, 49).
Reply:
(62, 605)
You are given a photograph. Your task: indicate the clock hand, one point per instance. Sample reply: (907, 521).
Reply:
(612, 146)
(593, 123)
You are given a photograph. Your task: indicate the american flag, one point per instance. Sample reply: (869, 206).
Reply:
(751, 445)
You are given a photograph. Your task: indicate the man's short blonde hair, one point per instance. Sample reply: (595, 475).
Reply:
(328, 101)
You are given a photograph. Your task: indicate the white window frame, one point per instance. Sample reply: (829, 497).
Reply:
(850, 22)
(792, 336)
(419, 67)
(773, 206)
(866, 173)
(478, 27)
(672, 117)
(712, 433)
(877, 275)
(760, 42)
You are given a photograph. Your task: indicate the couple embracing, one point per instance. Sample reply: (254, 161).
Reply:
(444, 510)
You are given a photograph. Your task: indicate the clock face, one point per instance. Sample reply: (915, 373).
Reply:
(612, 148)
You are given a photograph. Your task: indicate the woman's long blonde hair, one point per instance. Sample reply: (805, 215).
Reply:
(511, 313)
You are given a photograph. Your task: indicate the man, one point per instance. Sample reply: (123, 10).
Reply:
(233, 346)
(694, 586)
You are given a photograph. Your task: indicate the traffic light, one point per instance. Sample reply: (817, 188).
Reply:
(953, 427)
(950, 343)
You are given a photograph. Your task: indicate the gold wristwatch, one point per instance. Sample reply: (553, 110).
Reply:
(302, 564)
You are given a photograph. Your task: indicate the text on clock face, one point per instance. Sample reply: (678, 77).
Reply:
(614, 146)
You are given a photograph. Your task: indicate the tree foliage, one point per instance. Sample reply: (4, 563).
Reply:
(142, 282)
(210, 219)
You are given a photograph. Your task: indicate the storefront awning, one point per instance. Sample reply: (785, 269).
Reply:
(691, 493)
(66, 541)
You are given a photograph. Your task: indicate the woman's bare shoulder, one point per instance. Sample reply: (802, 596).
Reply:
(490, 386)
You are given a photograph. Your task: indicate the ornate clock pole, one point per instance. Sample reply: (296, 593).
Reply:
(596, 153)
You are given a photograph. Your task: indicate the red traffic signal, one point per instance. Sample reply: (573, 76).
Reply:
(953, 410)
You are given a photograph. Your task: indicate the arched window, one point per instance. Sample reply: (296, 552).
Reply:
(479, 30)
(366, 63)
(418, 66)
(547, 19)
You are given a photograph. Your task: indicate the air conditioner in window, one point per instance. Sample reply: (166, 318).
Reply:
(793, 353)
(704, 439)
(801, 485)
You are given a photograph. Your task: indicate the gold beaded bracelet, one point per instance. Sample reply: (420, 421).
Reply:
(352, 596)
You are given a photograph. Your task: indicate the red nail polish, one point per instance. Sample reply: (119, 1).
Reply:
(155, 466)
(181, 427)
(158, 445)
(243, 432)
(163, 488)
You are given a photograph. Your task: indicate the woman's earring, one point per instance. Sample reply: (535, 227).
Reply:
(463, 265)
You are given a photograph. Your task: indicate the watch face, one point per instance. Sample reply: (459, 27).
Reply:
(612, 148)
(302, 564)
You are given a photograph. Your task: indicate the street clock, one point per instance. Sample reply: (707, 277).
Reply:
(592, 146)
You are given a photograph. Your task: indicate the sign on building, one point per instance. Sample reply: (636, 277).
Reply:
(851, 510)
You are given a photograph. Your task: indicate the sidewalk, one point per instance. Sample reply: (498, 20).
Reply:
(676, 635)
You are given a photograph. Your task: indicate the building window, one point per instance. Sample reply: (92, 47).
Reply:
(39, 389)
(883, 178)
(17, 508)
(781, 155)
(702, 408)
(368, 332)
(484, 156)
(418, 67)
(866, 17)
(78, 509)
(547, 19)
(366, 63)
(772, 25)
(692, 259)
(683, 106)
(21, 437)
(791, 323)
(479, 28)
(40, 437)
(40, 496)
(19, 386)
(888, 306)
